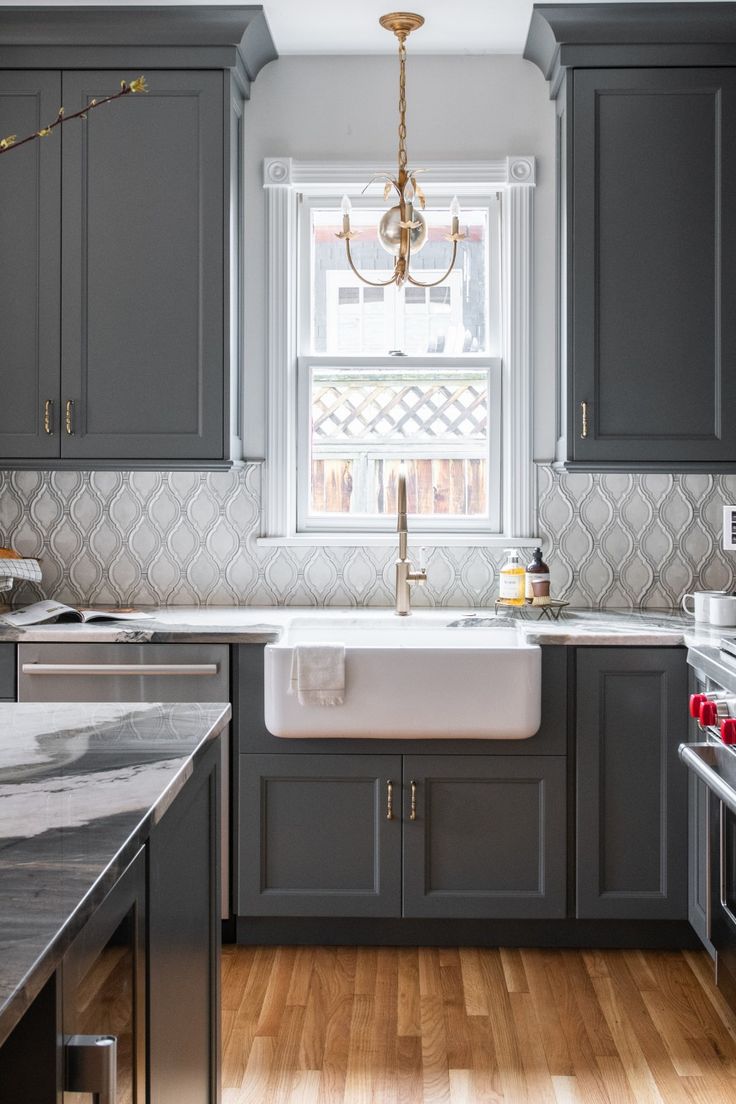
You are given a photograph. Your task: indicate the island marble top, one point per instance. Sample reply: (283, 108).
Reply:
(262, 624)
(80, 786)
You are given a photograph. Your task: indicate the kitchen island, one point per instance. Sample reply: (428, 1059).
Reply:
(103, 806)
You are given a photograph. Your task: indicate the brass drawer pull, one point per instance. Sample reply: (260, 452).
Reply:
(389, 800)
(70, 417)
(584, 419)
(48, 417)
(413, 805)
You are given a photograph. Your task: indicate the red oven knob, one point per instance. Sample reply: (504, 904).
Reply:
(696, 700)
(728, 731)
(708, 713)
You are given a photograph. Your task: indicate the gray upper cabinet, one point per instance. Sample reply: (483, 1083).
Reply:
(122, 263)
(631, 789)
(143, 266)
(29, 269)
(484, 837)
(646, 107)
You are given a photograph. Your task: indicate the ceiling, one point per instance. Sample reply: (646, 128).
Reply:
(351, 26)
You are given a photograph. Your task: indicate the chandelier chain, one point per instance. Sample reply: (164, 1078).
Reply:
(402, 105)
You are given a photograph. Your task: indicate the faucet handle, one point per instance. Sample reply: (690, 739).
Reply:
(422, 559)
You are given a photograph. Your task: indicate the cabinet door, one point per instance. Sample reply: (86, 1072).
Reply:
(315, 837)
(142, 272)
(654, 265)
(488, 838)
(631, 788)
(30, 197)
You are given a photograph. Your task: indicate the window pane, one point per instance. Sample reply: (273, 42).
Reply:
(364, 423)
(350, 317)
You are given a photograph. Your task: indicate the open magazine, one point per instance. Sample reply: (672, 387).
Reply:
(57, 611)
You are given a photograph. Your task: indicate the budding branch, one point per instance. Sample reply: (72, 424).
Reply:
(11, 141)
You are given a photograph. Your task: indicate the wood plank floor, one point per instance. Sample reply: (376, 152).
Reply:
(347, 1025)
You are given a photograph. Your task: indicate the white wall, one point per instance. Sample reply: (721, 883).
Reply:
(465, 108)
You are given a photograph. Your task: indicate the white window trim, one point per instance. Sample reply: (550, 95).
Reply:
(286, 181)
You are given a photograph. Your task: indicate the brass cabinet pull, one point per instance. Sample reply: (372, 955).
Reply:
(413, 805)
(70, 417)
(584, 420)
(389, 800)
(48, 417)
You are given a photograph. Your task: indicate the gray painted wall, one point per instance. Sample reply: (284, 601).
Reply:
(344, 108)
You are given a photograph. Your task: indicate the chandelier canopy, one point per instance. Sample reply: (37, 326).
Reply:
(402, 229)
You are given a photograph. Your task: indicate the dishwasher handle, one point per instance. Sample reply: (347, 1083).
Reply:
(120, 668)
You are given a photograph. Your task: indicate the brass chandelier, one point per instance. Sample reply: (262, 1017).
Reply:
(402, 229)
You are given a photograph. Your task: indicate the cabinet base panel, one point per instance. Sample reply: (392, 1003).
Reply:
(364, 931)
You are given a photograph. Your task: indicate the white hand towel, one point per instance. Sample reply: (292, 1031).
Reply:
(318, 674)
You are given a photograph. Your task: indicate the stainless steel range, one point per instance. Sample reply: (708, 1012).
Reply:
(713, 760)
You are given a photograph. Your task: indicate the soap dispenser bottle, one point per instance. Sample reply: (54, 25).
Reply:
(537, 580)
(511, 589)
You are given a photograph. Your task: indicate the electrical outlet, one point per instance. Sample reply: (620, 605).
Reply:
(729, 527)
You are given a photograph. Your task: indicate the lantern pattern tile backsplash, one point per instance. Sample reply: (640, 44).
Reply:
(190, 538)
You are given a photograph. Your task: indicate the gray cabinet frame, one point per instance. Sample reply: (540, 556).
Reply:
(631, 790)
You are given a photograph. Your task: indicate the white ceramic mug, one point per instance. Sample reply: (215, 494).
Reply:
(701, 603)
(722, 609)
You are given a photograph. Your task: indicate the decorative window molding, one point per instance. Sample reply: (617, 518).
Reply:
(286, 181)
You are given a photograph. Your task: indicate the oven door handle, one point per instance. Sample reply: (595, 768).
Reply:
(692, 756)
(120, 668)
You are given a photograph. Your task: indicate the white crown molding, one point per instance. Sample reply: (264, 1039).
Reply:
(333, 177)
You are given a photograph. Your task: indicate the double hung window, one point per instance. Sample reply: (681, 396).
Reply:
(368, 378)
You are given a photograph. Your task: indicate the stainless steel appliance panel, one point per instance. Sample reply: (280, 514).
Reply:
(123, 672)
(135, 673)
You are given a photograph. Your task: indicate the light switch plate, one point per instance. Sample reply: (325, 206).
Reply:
(729, 527)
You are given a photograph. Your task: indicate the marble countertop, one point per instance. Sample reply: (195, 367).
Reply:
(258, 625)
(80, 786)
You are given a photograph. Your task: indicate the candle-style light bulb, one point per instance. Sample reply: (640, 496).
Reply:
(409, 191)
(455, 208)
(345, 205)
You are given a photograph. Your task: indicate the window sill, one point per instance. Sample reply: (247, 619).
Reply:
(417, 539)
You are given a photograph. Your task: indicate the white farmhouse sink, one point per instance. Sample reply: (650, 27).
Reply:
(411, 679)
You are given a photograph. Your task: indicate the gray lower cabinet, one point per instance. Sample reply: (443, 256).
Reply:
(631, 790)
(488, 836)
(321, 835)
(316, 838)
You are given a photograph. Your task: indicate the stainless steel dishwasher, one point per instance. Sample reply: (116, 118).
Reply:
(135, 673)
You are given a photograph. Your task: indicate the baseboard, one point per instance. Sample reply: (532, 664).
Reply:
(318, 931)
